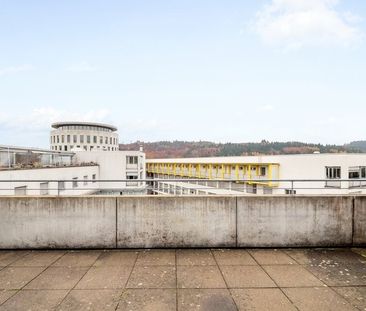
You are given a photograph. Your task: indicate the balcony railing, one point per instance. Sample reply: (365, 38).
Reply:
(182, 186)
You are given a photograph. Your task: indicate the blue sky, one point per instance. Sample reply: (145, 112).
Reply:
(185, 70)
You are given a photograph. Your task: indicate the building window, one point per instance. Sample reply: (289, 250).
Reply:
(263, 171)
(356, 173)
(290, 191)
(43, 188)
(333, 172)
(62, 138)
(75, 182)
(20, 190)
(94, 177)
(65, 148)
(75, 139)
(106, 140)
(88, 139)
(110, 140)
(131, 159)
(68, 139)
(81, 139)
(58, 139)
(85, 180)
(94, 139)
(61, 186)
(131, 177)
(101, 139)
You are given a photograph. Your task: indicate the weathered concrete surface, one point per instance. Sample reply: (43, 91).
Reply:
(167, 221)
(176, 222)
(205, 279)
(294, 221)
(52, 222)
(359, 221)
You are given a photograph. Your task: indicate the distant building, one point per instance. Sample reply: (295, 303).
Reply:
(269, 174)
(34, 171)
(83, 136)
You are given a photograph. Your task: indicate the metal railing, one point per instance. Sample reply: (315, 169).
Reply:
(181, 186)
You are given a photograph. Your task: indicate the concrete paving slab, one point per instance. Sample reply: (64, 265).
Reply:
(354, 295)
(78, 259)
(348, 274)
(310, 299)
(246, 277)
(152, 277)
(34, 300)
(233, 257)
(205, 300)
(18, 277)
(6, 294)
(148, 299)
(195, 257)
(90, 300)
(261, 299)
(116, 258)
(199, 277)
(156, 257)
(292, 276)
(154, 286)
(8, 257)
(324, 256)
(271, 257)
(38, 259)
(58, 278)
(105, 278)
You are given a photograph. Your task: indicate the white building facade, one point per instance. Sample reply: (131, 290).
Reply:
(120, 172)
(87, 136)
(25, 171)
(277, 174)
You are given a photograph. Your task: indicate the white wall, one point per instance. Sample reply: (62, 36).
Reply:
(113, 166)
(55, 174)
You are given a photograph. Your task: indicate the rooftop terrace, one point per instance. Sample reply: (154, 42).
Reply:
(189, 279)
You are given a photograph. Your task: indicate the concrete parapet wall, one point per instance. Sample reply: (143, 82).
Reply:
(294, 221)
(359, 224)
(187, 221)
(51, 222)
(176, 222)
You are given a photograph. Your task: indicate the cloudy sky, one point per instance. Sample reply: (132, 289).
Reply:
(233, 70)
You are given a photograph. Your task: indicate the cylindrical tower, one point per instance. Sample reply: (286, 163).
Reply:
(86, 136)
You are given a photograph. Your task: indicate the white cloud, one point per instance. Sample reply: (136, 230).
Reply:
(292, 24)
(40, 119)
(15, 69)
(266, 108)
(83, 66)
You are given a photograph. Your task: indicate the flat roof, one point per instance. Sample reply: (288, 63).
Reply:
(9, 148)
(262, 159)
(56, 125)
